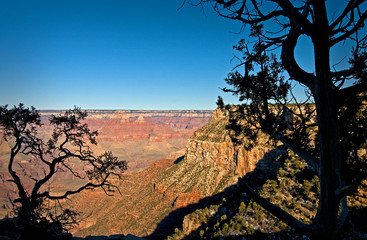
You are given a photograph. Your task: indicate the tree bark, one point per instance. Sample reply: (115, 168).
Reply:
(24, 214)
(330, 156)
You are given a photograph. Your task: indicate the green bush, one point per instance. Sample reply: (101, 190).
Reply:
(242, 207)
(307, 186)
(225, 228)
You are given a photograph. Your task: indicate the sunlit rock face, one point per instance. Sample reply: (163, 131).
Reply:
(212, 145)
(212, 162)
(141, 137)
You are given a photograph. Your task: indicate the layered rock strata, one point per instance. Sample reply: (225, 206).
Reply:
(139, 137)
(211, 163)
(212, 145)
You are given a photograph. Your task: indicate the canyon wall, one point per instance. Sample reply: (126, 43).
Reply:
(142, 136)
(210, 163)
(212, 145)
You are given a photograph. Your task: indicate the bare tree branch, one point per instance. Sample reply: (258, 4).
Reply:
(357, 26)
(294, 15)
(311, 160)
(276, 211)
(72, 192)
(288, 58)
(353, 90)
(348, 9)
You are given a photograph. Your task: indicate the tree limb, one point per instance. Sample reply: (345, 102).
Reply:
(344, 191)
(86, 186)
(357, 26)
(275, 210)
(288, 58)
(310, 160)
(344, 213)
(351, 5)
(294, 15)
(14, 151)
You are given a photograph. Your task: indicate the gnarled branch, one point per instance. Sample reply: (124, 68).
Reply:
(289, 61)
(276, 211)
(302, 153)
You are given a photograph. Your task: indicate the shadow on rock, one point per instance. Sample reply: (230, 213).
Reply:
(112, 237)
(266, 168)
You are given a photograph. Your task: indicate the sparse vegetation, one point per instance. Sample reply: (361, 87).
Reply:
(237, 217)
(295, 189)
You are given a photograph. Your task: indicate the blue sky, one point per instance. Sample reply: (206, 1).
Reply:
(114, 54)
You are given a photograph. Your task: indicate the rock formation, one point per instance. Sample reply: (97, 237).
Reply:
(211, 163)
(212, 145)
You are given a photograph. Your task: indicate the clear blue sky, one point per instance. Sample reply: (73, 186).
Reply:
(113, 54)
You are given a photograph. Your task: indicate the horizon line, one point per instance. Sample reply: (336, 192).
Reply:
(91, 109)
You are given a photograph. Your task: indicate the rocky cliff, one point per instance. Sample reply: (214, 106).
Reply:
(212, 145)
(122, 125)
(142, 137)
(211, 163)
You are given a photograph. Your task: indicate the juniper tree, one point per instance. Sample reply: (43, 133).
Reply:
(330, 133)
(71, 140)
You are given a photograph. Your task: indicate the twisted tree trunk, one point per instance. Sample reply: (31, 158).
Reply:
(328, 130)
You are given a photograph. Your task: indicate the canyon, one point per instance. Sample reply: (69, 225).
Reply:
(179, 161)
(182, 166)
(139, 137)
(154, 201)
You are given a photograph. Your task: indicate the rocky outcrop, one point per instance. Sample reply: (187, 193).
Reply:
(211, 163)
(213, 146)
(112, 237)
(224, 155)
